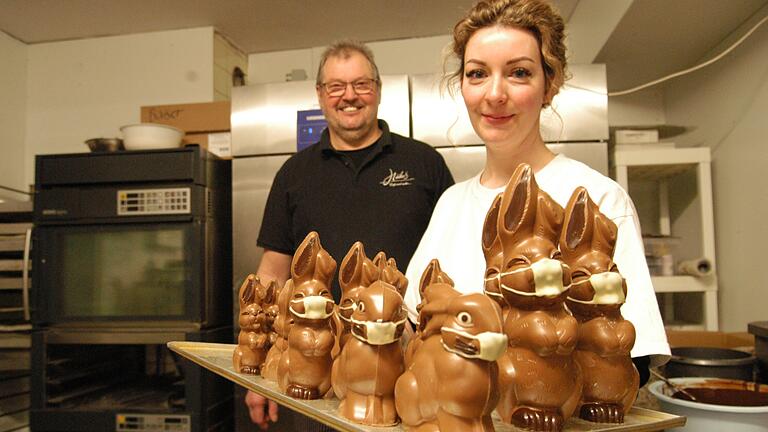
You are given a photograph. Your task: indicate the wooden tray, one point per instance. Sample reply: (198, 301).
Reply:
(218, 359)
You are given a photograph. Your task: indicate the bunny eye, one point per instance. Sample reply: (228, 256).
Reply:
(464, 318)
(556, 255)
(324, 292)
(298, 295)
(361, 307)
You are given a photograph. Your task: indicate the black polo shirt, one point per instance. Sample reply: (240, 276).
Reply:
(386, 201)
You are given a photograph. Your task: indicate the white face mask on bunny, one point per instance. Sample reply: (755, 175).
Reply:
(315, 307)
(491, 344)
(378, 332)
(547, 278)
(608, 289)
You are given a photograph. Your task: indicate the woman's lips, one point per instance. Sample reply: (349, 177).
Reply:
(497, 118)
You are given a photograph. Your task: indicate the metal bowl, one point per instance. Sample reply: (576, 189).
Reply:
(105, 144)
(710, 362)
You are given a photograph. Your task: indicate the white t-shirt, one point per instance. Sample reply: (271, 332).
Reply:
(454, 238)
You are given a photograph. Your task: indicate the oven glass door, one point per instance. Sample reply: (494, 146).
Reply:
(122, 272)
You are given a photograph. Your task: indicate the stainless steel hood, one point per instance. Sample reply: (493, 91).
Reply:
(579, 112)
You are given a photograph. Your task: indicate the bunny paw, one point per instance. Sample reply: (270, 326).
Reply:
(300, 392)
(537, 420)
(250, 370)
(602, 413)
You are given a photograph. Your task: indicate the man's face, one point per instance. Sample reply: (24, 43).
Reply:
(351, 117)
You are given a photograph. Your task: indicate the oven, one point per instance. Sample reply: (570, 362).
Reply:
(132, 239)
(131, 250)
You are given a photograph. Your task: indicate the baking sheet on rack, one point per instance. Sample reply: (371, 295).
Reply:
(218, 359)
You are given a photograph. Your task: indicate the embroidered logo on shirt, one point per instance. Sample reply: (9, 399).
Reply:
(395, 179)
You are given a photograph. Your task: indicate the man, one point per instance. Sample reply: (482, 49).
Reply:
(359, 182)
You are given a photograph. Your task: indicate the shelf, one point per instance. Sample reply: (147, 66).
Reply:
(681, 326)
(663, 156)
(682, 283)
(665, 166)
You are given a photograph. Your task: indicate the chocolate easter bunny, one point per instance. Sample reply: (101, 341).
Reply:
(253, 339)
(365, 373)
(436, 287)
(494, 256)
(597, 292)
(281, 325)
(452, 384)
(357, 272)
(540, 381)
(304, 371)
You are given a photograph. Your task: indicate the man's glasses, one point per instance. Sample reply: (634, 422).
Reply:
(360, 87)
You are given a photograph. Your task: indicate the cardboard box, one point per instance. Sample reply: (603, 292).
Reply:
(218, 143)
(191, 118)
(680, 338)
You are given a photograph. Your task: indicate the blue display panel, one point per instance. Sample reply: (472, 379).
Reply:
(309, 127)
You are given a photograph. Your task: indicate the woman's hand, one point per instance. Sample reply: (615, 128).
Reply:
(261, 409)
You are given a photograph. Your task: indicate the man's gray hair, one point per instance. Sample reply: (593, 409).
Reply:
(344, 49)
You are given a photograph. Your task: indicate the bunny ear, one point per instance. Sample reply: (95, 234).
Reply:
(248, 290)
(490, 238)
(577, 228)
(517, 209)
(284, 297)
(429, 275)
(351, 267)
(604, 238)
(270, 293)
(304, 260)
(380, 260)
(391, 262)
(549, 218)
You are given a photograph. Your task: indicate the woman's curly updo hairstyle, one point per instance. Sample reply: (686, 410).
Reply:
(536, 16)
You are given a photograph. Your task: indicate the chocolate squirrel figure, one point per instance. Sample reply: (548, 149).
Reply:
(540, 382)
(281, 326)
(356, 273)
(597, 292)
(494, 256)
(253, 339)
(365, 373)
(452, 383)
(304, 371)
(435, 287)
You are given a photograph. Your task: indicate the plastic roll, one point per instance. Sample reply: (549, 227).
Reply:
(696, 267)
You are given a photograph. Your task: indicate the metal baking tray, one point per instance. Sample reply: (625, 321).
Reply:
(218, 359)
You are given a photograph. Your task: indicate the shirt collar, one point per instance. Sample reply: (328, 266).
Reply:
(384, 143)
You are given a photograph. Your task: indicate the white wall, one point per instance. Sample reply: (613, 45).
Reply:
(13, 78)
(89, 88)
(724, 107)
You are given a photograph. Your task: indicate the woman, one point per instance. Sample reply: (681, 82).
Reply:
(512, 63)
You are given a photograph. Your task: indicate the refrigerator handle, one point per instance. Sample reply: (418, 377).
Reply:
(25, 274)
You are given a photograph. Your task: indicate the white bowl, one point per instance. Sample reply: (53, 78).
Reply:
(144, 136)
(707, 417)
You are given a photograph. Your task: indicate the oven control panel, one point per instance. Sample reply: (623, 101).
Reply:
(152, 423)
(138, 202)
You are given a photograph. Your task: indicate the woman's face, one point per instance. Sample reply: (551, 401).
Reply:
(503, 85)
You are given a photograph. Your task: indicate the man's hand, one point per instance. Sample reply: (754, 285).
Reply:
(261, 409)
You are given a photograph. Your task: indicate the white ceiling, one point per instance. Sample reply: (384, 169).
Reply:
(639, 40)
